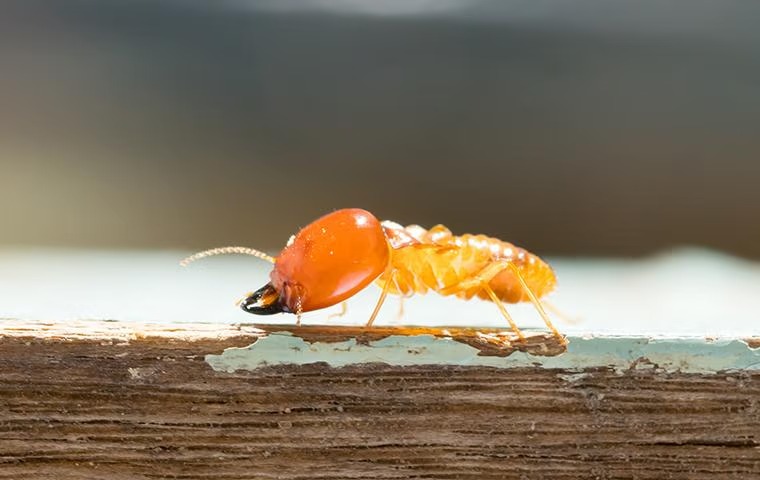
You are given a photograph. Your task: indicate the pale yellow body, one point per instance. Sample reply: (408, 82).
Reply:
(447, 264)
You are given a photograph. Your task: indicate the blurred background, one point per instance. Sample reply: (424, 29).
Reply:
(588, 127)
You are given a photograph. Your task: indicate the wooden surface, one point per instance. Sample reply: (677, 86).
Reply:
(151, 407)
(488, 341)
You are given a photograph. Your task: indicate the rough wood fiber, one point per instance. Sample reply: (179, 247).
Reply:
(148, 409)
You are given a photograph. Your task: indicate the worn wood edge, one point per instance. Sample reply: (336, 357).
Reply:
(488, 341)
(230, 347)
(120, 330)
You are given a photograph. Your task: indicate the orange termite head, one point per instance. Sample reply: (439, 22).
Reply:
(326, 262)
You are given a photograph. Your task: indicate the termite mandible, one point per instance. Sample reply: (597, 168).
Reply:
(339, 254)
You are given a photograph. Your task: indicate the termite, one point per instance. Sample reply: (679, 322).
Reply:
(339, 254)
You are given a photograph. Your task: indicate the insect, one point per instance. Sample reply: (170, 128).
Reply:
(339, 254)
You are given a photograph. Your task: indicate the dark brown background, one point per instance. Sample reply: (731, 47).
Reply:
(584, 127)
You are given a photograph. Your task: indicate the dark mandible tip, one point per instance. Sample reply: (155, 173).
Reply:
(264, 301)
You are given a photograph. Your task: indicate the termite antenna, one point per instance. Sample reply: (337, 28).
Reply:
(226, 251)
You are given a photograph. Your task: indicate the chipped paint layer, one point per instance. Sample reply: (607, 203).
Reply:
(489, 341)
(621, 353)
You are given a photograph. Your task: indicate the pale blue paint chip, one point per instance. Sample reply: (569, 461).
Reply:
(619, 353)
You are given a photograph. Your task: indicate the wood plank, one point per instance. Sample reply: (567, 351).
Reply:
(73, 408)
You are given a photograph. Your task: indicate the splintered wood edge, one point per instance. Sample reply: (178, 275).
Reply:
(123, 332)
(490, 342)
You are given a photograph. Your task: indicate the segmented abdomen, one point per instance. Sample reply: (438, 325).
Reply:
(437, 260)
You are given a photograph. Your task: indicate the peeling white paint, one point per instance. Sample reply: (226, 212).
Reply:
(620, 353)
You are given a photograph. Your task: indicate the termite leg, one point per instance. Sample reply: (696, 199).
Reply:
(480, 280)
(504, 312)
(299, 311)
(401, 299)
(537, 304)
(343, 311)
(559, 313)
(380, 301)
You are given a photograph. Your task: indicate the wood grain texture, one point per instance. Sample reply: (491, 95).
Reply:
(74, 409)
